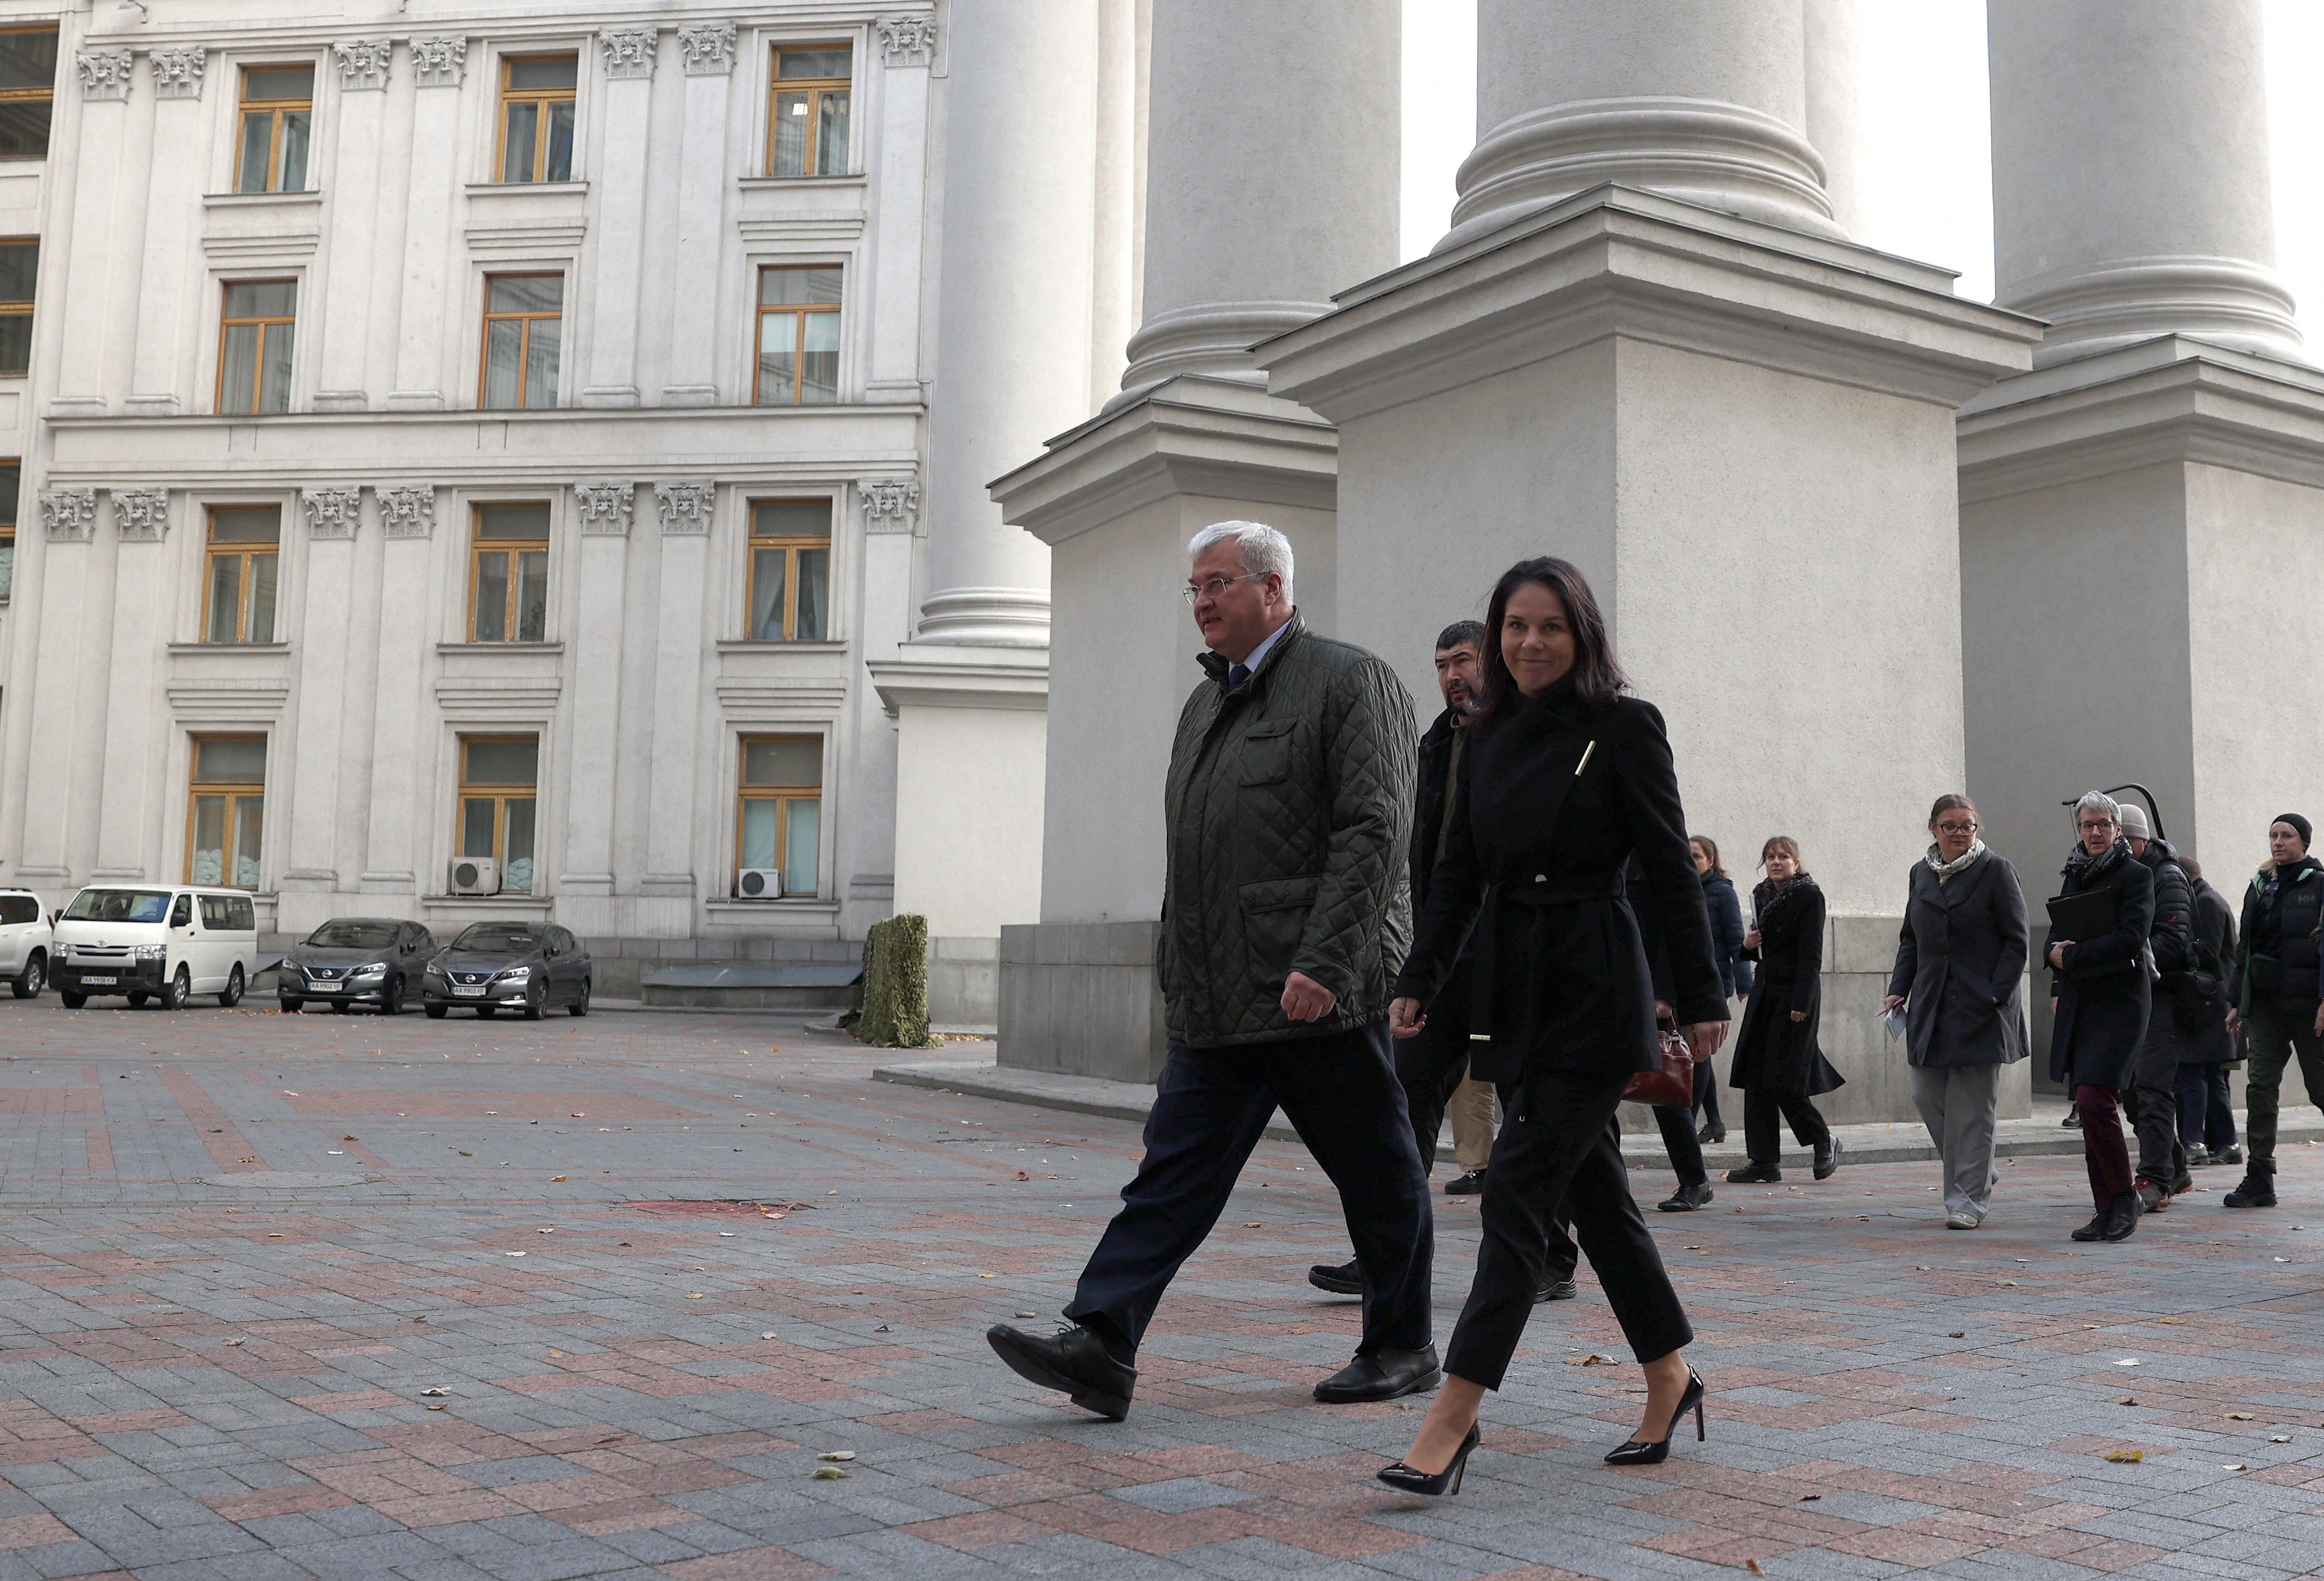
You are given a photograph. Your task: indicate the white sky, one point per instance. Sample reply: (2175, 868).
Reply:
(1928, 193)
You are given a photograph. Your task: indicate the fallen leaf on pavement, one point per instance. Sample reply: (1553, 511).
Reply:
(2125, 1457)
(1593, 1360)
(2239, 1416)
(1958, 1334)
(237, 1342)
(434, 1393)
(557, 1177)
(2280, 1438)
(697, 1295)
(837, 1455)
(828, 1474)
(1024, 1314)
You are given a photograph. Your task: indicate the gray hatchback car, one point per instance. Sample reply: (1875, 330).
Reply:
(349, 961)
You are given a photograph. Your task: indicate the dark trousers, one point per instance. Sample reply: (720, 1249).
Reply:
(1340, 1092)
(2207, 1114)
(1761, 1108)
(1677, 1126)
(2103, 1152)
(1706, 1094)
(2273, 1039)
(2152, 1104)
(1432, 1066)
(1562, 1158)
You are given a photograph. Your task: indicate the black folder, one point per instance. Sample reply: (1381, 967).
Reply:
(2078, 919)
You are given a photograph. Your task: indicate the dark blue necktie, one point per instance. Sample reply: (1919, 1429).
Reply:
(1236, 675)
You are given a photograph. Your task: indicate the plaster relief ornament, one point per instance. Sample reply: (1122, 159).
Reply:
(685, 506)
(68, 515)
(890, 504)
(177, 73)
(606, 508)
(629, 50)
(439, 62)
(104, 73)
(407, 512)
(907, 41)
(363, 62)
(709, 50)
(140, 515)
(331, 513)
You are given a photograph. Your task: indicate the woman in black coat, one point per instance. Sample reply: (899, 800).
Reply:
(1960, 961)
(1564, 783)
(2207, 1116)
(1778, 1063)
(1734, 971)
(2101, 997)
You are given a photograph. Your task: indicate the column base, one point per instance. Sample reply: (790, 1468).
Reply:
(1080, 999)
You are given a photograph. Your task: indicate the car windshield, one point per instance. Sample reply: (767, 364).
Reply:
(499, 937)
(96, 905)
(345, 935)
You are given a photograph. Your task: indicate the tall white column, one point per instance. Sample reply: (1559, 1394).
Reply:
(1705, 100)
(2130, 190)
(1835, 105)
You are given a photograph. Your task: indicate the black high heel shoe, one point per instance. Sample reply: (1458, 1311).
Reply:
(1405, 1479)
(1640, 1452)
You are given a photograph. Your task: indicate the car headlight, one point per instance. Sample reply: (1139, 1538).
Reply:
(375, 969)
(150, 952)
(517, 974)
(433, 970)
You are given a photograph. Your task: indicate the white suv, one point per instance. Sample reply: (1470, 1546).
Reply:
(25, 944)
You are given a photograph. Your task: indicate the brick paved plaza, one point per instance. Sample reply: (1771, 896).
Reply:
(206, 1374)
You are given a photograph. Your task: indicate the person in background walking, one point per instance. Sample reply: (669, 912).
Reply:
(2099, 998)
(2274, 994)
(2207, 1116)
(1473, 1111)
(1961, 959)
(2151, 1102)
(1778, 1063)
(1734, 971)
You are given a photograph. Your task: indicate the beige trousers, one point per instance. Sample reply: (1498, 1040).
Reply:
(1474, 1111)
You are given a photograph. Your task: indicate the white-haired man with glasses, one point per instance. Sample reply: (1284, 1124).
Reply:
(1286, 912)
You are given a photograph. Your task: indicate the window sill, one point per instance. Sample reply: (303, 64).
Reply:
(752, 646)
(784, 183)
(488, 188)
(789, 906)
(451, 648)
(256, 200)
(229, 647)
(480, 903)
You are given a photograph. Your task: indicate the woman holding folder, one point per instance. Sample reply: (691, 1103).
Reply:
(2097, 955)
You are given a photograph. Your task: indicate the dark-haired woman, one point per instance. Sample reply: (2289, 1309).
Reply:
(1778, 1063)
(1734, 971)
(1564, 781)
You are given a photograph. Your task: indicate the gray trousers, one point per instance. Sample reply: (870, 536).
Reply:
(1956, 1103)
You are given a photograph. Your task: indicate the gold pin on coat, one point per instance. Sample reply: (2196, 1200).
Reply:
(1586, 751)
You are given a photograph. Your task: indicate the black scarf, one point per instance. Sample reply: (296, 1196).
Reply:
(2085, 871)
(1767, 895)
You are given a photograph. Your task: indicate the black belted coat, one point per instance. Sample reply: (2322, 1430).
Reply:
(1554, 796)
(1773, 1052)
(2104, 993)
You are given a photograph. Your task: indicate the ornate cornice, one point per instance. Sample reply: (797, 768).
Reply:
(407, 512)
(607, 509)
(686, 507)
(890, 505)
(140, 515)
(364, 62)
(439, 62)
(331, 513)
(177, 73)
(708, 49)
(104, 74)
(907, 41)
(628, 51)
(68, 515)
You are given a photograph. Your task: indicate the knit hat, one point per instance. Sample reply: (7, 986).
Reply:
(2297, 822)
(2133, 820)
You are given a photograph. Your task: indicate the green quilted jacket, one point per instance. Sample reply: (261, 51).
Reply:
(1288, 809)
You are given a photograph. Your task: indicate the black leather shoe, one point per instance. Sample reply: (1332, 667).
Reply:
(1827, 1158)
(1468, 1185)
(2230, 1154)
(2073, 1120)
(2122, 1218)
(2092, 1230)
(1384, 1374)
(1687, 1198)
(1072, 1360)
(1435, 1485)
(2152, 1198)
(1343, 1280)
(2257, 1190)
(1643, 1452)
(1555, 1289)
(1755, 1175)
(1713, 1133)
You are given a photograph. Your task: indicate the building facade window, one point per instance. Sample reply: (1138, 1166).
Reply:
(798, 335)
(508, 577)
(12, 481)
(278, 123)
(28, 90)
(790, 571)
(226, 811)
(523, 339)
(245, 552)
(254, 341)
(498, 780)
(20, 272)
(537, 116)
(778, 814)
(806, 125)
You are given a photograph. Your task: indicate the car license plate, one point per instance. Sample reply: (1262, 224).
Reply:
(100, 982)
(468, 990)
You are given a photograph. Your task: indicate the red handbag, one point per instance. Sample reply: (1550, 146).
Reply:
(1671, 1085)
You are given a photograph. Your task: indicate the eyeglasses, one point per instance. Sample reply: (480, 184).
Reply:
(1216, 586)
(1957, 828)
(2098, 823)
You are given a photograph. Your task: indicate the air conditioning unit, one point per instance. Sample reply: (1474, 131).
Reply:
(475, 876)
(759, 883)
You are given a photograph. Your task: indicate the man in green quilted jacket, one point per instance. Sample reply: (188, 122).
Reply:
(1285, 913)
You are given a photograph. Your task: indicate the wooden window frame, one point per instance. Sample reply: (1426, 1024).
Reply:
(265, 324)
(235, 793)
(783, 796)
(791, 543)
(479, 546)
(798, 312)
(246, 107)
(541, 99)
(22, 309)
(814, 87)
(500, 794)
(36, 95)
(10, 501)
(524, 343)
(246, 550)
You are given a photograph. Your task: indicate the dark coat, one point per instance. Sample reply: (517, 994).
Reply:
(1431, 795)
(1727, 932)
(2203, 1024)
(1773, 1052)
(1554, 796)
(2102, 990)
(1960, 965)
(1287, 811)
(2276, 968)
(2172, 946)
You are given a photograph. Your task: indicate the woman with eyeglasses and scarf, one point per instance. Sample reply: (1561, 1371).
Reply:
(1778, 1063)
(1959, 963)
(2100, 999)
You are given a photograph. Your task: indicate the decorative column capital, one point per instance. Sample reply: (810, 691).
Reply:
(890, 505)
(331, 513)
(68, 515)
(907, 41)
(177, 73)
(104, 73)
(439, 62)
(628, 51)
(364, 62)
(407, 512)
(708, 49)
(140, 515)
(686, 507)
(606, 508)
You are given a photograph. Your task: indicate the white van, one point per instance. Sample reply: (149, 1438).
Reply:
(23, 942)
(154, 943)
